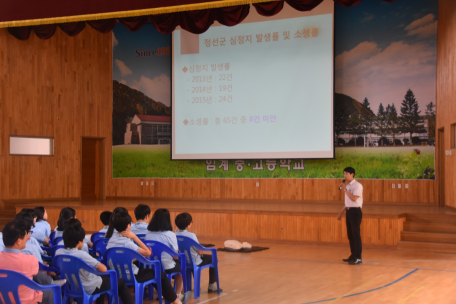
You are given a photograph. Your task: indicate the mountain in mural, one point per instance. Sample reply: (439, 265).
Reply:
(126, 103)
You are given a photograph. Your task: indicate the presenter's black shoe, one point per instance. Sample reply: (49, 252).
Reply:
(347, 260)
(355, 262)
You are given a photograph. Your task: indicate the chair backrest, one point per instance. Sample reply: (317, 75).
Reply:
(121, 259)
(55, 248)
(10, 282)
(158, 248)
(69, 267)
(57, 240)
(52, 237)
(100, 247)
(96, 236)
(142, 237)
(185, 245)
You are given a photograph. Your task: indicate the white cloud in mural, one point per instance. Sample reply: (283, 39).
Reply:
(159, 88)
(385, 76)
(123, 81)
(114, 40)
(420, 22)
(124, 70)
(367, 17)
(424, 27)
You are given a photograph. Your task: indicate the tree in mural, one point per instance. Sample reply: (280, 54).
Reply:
(340, 119)
(367, 118)
(430, 115)
(354, 125)
(392, 125)
(411, 121)
(381, 123)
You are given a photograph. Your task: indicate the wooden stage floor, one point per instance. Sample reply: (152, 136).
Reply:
(315, 274)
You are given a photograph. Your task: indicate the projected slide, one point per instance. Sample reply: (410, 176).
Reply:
(255, 90)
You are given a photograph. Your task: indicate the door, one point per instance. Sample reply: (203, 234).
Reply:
(441, 166)
(92, 168)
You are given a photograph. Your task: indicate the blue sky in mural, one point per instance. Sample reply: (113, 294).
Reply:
(149, 74)
(383, 49)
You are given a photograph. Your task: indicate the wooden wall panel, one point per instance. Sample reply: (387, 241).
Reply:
(446, 91)
(60, 88)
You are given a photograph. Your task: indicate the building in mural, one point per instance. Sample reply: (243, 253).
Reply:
(148, 130)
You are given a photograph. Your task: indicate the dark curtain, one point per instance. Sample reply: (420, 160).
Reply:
(196, 22)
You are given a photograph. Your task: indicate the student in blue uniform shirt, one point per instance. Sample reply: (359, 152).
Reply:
(39, 234)
(73, 239)
(105, 216)
(142, 214)
(65, 215)
(125, 238)
(184, 222)
(41, 221)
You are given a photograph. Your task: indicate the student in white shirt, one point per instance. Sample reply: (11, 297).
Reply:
(73, 238)
(160, 230)
(105, 216)
(38, 234)
(65, 215)
(353, 204)
(125, 238)
(184, 222)
(142, 214)
(41, 221)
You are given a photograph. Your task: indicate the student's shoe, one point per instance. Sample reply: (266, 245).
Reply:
(347, 260)
(212, 288)
(186, 297)
(355, 262)
(59, 282)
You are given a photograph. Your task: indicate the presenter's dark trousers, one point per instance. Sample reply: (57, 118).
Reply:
(353, 220)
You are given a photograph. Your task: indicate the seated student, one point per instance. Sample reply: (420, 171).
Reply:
(125, 238)
(104, 218)
(73, 239)
(15, 236)
(32, 246)
(184, 222)
(160, 230)
(67, 213)
(142, 214)
(39, 234)
(41, 222)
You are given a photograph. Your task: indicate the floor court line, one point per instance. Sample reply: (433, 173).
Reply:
(374, 289)
(411, 295)
(218, 297)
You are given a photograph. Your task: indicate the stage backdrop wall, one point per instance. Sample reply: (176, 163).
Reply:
(384, 106)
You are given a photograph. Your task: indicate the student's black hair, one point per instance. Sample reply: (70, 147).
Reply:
(73, 233)
(73, 212)
(15, 230)
(105, 216)
(25, 216)
(65, 214)
(29, 211)
(39, 211)
(183, 220)
(119, 210)
(161, 221)
(141, 211)
(119, 221)
(350, 170)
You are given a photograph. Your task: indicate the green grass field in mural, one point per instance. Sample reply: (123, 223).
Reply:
(376, 163)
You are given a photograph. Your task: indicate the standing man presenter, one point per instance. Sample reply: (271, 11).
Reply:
(353, 203)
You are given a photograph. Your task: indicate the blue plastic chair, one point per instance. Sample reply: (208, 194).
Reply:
(121, 259)
(69, 267)
(100, 247)
(47, 268)
(11, 280)
(51, 253)
(185, 243)
(158, 248)
(56, 241)
(96, 236)
(142, 237)
(52, 237)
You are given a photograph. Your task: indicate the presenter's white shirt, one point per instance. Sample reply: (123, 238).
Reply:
(356, 189)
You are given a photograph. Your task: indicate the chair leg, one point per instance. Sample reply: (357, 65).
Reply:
(65, 299)
(159, 293)
(139, 293)
(217, 278)
(189, 279)
(197, 283)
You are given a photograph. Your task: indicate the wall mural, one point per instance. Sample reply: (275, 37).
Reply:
(384, 105)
